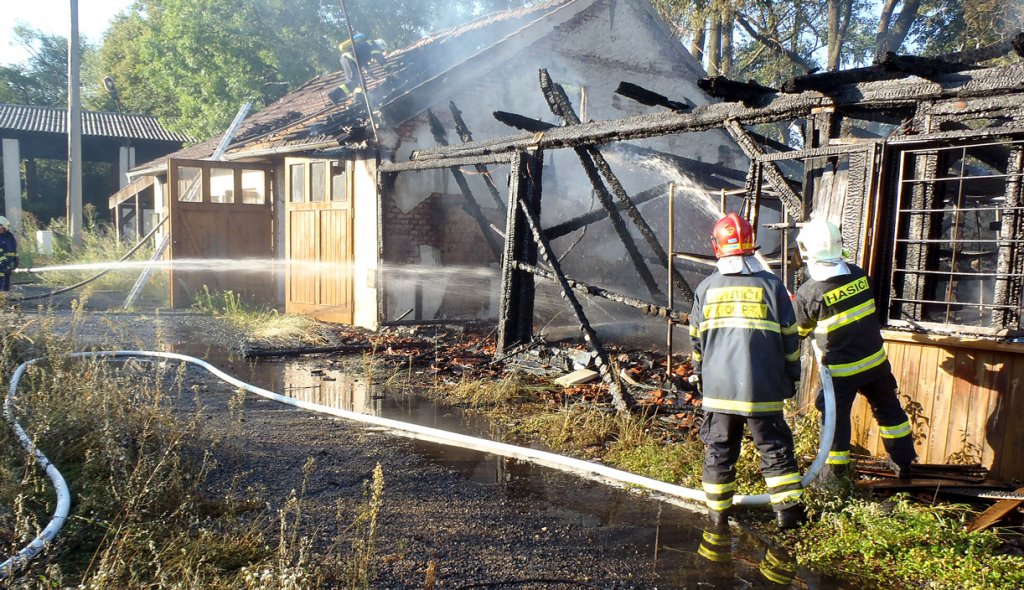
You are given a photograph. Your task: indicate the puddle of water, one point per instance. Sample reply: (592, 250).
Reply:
(668, 536)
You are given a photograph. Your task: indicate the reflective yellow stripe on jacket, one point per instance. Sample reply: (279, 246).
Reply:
(845, 318)
(766, 325)
(731, 405)
(870, 362)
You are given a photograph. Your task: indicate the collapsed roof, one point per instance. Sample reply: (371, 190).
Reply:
(306, 119)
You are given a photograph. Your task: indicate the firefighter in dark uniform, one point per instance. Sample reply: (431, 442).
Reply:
(836, 304)
(8, 254)
(363, 53)
(746, 359)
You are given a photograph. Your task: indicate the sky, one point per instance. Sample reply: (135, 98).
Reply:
(53, 16)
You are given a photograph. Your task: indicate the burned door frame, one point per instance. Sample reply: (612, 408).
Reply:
(856, 206)
(220, 237)
(328, 298)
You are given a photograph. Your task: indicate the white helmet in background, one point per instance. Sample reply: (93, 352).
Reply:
(4, 222)
(821, 247)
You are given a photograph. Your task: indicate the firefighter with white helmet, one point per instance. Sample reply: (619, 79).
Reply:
(746, 358)
(837, 305)
(8, 253)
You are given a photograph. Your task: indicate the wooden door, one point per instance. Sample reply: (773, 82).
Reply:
(318, 238)
(222, 230)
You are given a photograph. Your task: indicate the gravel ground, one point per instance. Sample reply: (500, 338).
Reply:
(545, 530)
(473, 532)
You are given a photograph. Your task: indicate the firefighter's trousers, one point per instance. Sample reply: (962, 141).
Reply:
(722, 435)
(893, 423)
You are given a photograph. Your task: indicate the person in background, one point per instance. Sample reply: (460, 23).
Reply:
(746, 363)
(8, 253)
(365, 52)
(837, 305)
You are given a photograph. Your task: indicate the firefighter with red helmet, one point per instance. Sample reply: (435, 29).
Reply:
(836, 305)
(746, 358)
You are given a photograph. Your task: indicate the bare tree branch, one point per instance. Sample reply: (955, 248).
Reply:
(773, 44)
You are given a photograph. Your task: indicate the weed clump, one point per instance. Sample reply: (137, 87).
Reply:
(130, 443)
(899, 543)
(260, 325)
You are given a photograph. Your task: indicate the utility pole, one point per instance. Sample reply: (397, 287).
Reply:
(74, 132)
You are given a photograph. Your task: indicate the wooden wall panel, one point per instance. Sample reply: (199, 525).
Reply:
(972, 399)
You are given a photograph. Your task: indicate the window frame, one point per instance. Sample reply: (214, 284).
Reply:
(897, 262)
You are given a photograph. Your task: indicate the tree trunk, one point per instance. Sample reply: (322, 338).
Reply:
(697, 44)
(835, 40)
(892, 35)
(725, 61)
(714, 52)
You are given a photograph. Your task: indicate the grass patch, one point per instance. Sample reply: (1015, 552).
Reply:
(259, 324)
(491, 393)
(901, 544)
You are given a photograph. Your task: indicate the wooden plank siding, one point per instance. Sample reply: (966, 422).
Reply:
(319, 242)
(966, 397)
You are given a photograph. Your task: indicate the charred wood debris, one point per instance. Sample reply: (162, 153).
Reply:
(923, 96)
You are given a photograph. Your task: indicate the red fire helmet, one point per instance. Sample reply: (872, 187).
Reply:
(732, 236)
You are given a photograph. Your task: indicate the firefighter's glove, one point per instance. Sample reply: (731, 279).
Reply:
(695, 381)
(14, 263)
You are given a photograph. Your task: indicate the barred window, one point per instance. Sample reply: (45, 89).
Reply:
(957, 261)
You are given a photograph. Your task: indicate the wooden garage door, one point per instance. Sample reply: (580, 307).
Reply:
(222, 230)
(318, 238)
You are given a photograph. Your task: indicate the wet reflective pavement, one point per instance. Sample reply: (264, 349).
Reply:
(678, 551)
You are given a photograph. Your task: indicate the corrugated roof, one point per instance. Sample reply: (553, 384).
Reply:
(307, 116)
(28, 118)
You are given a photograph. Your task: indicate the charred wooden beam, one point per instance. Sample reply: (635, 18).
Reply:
(651, 98)
(566, 227)
(392, 168)
(467, 137)
(621, 398)
(769, 169)
(922, 67)
(1014, 43)
(560, 106)
(885, 98)
(522, 122)
(830, 83)
(1009, 254)
(515, 307)
(605, 198)
(749, 93)
(470, 206)
(595, 291)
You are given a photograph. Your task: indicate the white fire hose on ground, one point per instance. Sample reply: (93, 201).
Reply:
(586, 469)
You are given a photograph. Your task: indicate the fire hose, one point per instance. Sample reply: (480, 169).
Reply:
(587, 469)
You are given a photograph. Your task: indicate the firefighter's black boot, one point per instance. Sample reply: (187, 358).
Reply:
(792, 517)
(719, 518)
(901, 471)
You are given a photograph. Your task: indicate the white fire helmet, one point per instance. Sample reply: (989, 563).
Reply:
(4, 222)
(821, 247)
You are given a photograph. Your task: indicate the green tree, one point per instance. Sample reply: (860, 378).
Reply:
(194, 62)
(43, 78)
(772, 40)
